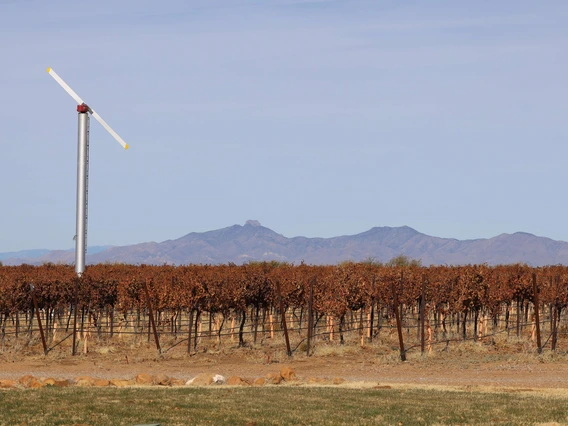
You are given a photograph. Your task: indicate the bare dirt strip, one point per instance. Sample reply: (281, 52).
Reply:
(464, 368)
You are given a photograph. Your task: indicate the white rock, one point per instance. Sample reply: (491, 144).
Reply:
(218, 379)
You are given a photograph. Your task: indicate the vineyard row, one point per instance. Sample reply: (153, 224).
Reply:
(338, 302)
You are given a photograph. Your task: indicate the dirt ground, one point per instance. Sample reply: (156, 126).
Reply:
(466, 365)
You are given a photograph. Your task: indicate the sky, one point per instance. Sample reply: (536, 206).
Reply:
(316, 117)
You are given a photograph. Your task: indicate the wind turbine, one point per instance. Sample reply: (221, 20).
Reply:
(83, 170)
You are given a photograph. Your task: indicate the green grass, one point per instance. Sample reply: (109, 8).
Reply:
(276, 406)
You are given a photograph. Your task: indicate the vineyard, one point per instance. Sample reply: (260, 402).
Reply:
(298, 307)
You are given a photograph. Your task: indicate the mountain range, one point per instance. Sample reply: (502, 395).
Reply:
(254, 242)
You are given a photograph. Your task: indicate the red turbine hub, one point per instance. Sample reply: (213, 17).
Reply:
(82, 108)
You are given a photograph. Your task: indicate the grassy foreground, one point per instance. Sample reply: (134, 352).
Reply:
(275, 406)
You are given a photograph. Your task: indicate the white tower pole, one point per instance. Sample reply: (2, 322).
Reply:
(82, 188)
(83, 170)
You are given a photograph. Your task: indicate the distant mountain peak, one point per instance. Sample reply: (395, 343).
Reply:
(525, 234)
(251, 222)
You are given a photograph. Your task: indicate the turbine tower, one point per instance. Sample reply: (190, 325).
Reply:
(83, 170)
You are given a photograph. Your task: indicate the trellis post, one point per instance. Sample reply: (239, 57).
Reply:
(536, 314)
(36, 309)
(398, 319)
(283, 314)
(151, 313)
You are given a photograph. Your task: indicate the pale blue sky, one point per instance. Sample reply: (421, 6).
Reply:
(317, 118)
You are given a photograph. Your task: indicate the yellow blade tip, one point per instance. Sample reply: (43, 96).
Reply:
(48, 69)
(126, 146)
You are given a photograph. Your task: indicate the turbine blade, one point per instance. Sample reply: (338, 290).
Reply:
(108, 128)
(81, 102)
(65, 86)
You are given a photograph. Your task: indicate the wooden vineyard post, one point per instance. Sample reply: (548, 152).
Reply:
(310, 316)
(536, 314)
(75, 305)
(480, 329)
(54, 337)
(82, 329)
(361, 326)
(17, 325)
(36, 309)
(398, 320)
(372, 313)
(86, 334)
(555, 317)
(190, 326)
(362, 315)
(283, 316)
(149, 328)
(218, 330)
(554, 326)
(123, 324)
(429, 336)
(151, 314)
(518, 317)
(371, 320)
(111, 319)
(254, 323)
(197, 329)
(422, 314)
